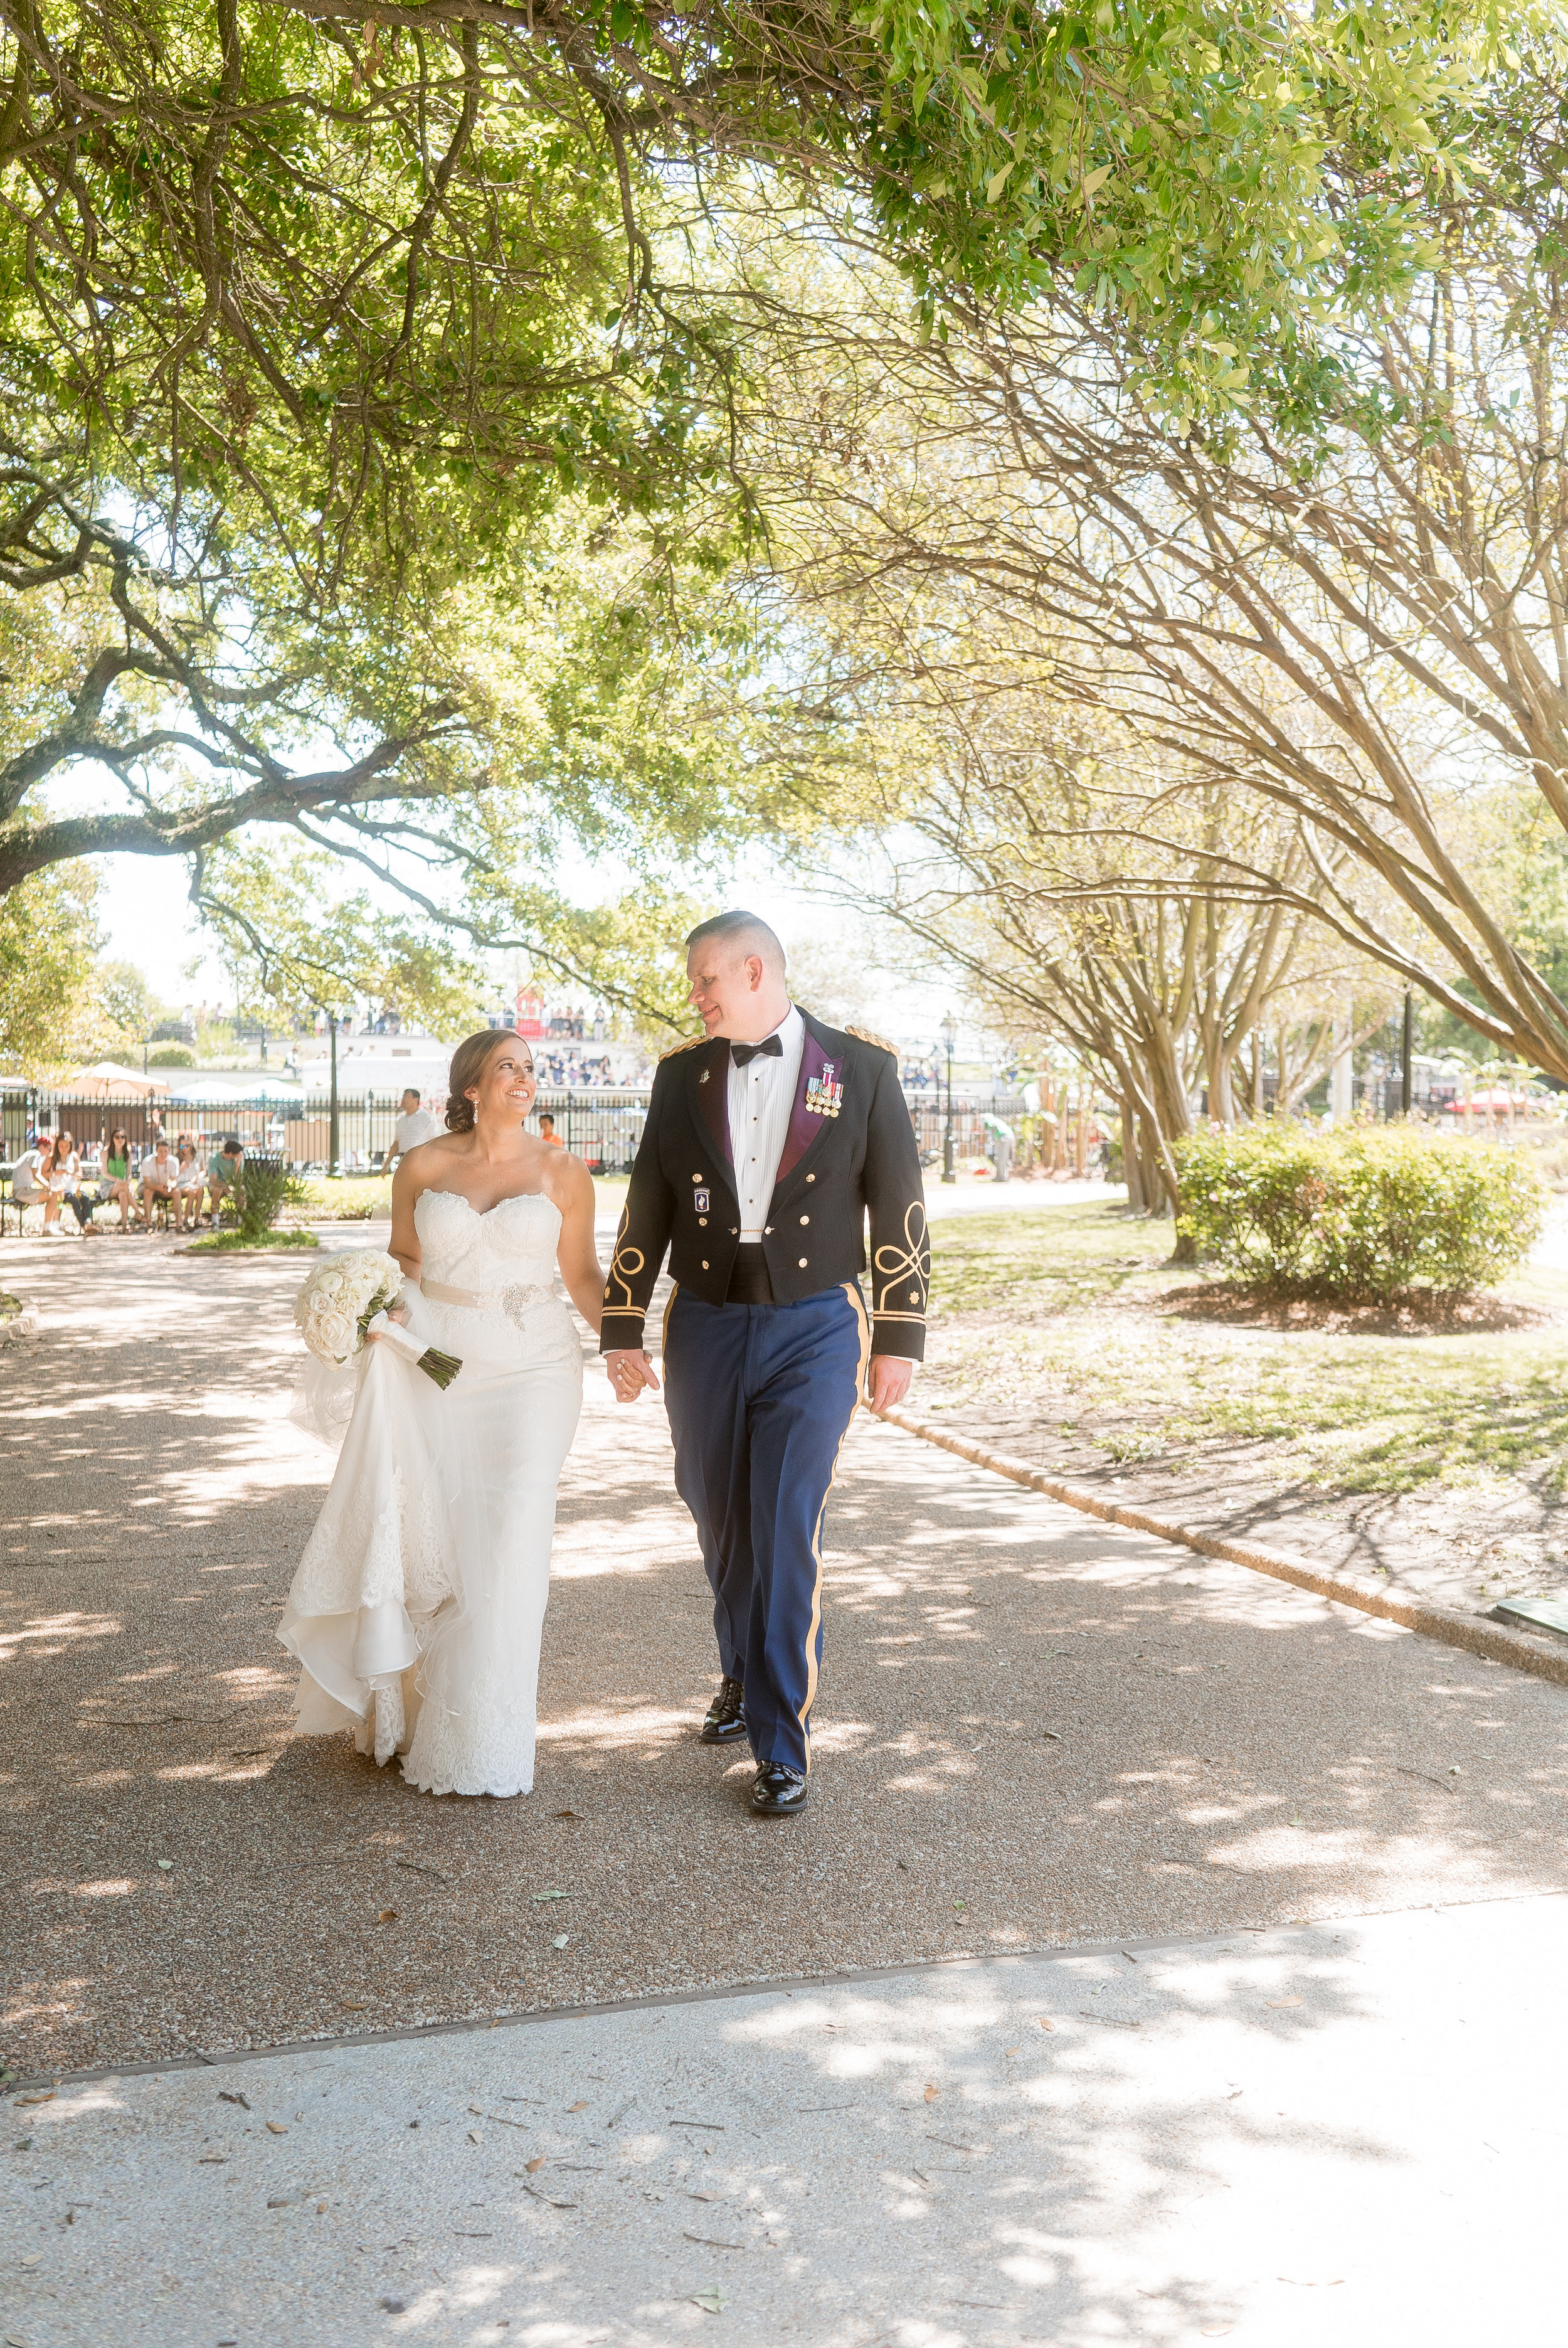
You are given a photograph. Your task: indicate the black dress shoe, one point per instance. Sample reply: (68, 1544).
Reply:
(777, 1792)
(726, 1721)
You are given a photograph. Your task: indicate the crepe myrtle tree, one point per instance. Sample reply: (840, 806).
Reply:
(1358, 617)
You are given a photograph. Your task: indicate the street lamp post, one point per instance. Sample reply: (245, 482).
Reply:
(950, 1037)
(1405, 1069)
(334, 1153)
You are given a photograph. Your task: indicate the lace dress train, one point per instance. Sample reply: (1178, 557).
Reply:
(417, 1607)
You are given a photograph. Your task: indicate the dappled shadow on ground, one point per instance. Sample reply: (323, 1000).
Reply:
(1235, 1304)
(1032, 1730)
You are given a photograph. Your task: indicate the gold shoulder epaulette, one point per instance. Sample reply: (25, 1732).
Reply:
(686, 1044)
(866, 1036)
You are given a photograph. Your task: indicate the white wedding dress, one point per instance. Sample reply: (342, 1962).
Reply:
(416, 1609)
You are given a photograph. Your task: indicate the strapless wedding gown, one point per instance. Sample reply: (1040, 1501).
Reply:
(416, 1609)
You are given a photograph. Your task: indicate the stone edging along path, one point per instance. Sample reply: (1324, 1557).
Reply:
(1545, 1659)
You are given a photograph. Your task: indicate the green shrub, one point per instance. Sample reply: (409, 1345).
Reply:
(1364, 1216)
(268, 1190)
(172, 1055)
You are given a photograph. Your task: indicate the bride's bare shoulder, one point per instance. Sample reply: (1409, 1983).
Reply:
(564, 1178)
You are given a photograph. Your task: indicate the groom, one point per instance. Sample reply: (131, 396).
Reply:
(768, 1140)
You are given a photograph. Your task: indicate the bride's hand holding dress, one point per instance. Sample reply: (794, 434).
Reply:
(417, 1607)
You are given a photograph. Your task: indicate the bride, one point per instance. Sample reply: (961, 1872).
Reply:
(416, 1609)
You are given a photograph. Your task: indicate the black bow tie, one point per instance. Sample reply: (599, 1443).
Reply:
(770, 1047)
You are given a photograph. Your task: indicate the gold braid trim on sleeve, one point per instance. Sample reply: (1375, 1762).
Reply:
(687, 1044)
(624, 1267)
(892, 1265)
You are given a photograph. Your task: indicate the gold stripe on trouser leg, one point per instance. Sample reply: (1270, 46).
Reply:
(665, 1324)
(852, 1291)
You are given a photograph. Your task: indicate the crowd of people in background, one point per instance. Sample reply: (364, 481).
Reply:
(166, 1185)
(572, 1071)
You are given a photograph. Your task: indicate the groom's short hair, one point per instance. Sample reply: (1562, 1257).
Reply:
(744, 934)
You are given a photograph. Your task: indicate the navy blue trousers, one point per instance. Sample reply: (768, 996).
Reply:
(760, 1399)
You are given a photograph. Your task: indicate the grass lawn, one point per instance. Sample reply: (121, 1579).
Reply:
(236, 1243)
(355, 1199)
(1078, 1322)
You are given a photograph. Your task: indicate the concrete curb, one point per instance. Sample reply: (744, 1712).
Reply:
(21, 1324)
(1544, 1658)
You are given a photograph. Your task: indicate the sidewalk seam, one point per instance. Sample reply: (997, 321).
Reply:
(775, 1984)
(1446, 1623)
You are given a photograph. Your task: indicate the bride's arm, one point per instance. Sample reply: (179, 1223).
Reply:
(571, 1188)
(406, 1185)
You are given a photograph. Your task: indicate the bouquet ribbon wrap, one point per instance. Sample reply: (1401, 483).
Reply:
(442, 1367)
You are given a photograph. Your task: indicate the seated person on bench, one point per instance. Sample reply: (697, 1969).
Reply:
(158, 1176)
(226, 1175)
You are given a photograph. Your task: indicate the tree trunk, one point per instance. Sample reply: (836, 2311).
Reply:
(1137, 1196)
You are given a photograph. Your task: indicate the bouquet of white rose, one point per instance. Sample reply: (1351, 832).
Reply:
(342, 1300)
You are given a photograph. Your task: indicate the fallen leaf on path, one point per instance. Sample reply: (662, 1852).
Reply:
(710, 2301)
(709, 2243)
(387, 1916)
(216, 2158)
(550, 1895)
(1007, 2051)
(932, 2093)
(560, 1941)
(167, 1865)
(1278, 2005)
(357, 2004)
(225, 2097)
(535, 2164)
(564, 1814)
(48, 2098)
(1045, 2022)
(580, 2107)
(276, 2127)
(473, 2136)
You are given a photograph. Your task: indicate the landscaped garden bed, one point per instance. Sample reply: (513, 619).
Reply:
(1426, 1440)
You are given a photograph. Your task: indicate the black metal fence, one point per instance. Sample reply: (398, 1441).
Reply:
(602, 1129)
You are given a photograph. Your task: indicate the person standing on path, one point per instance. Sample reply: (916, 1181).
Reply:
(414, 1126)
(768, 1140)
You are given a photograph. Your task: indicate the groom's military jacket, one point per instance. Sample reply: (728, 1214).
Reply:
(849, 1152)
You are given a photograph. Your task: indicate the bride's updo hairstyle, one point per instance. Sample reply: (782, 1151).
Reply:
(467, 1067)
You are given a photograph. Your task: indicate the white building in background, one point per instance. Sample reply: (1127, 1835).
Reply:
(382, 1064)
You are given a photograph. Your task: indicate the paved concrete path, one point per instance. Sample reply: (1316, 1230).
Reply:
(1036, 1732)
(1333, 2133)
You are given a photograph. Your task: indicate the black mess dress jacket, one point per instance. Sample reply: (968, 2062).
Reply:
(849, 1157)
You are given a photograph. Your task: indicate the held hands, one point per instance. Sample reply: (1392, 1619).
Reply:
(398, 1312)
(889, 1381)
(629, 1370)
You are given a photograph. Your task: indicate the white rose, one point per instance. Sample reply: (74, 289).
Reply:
(337, 1334)
(333, 1284)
